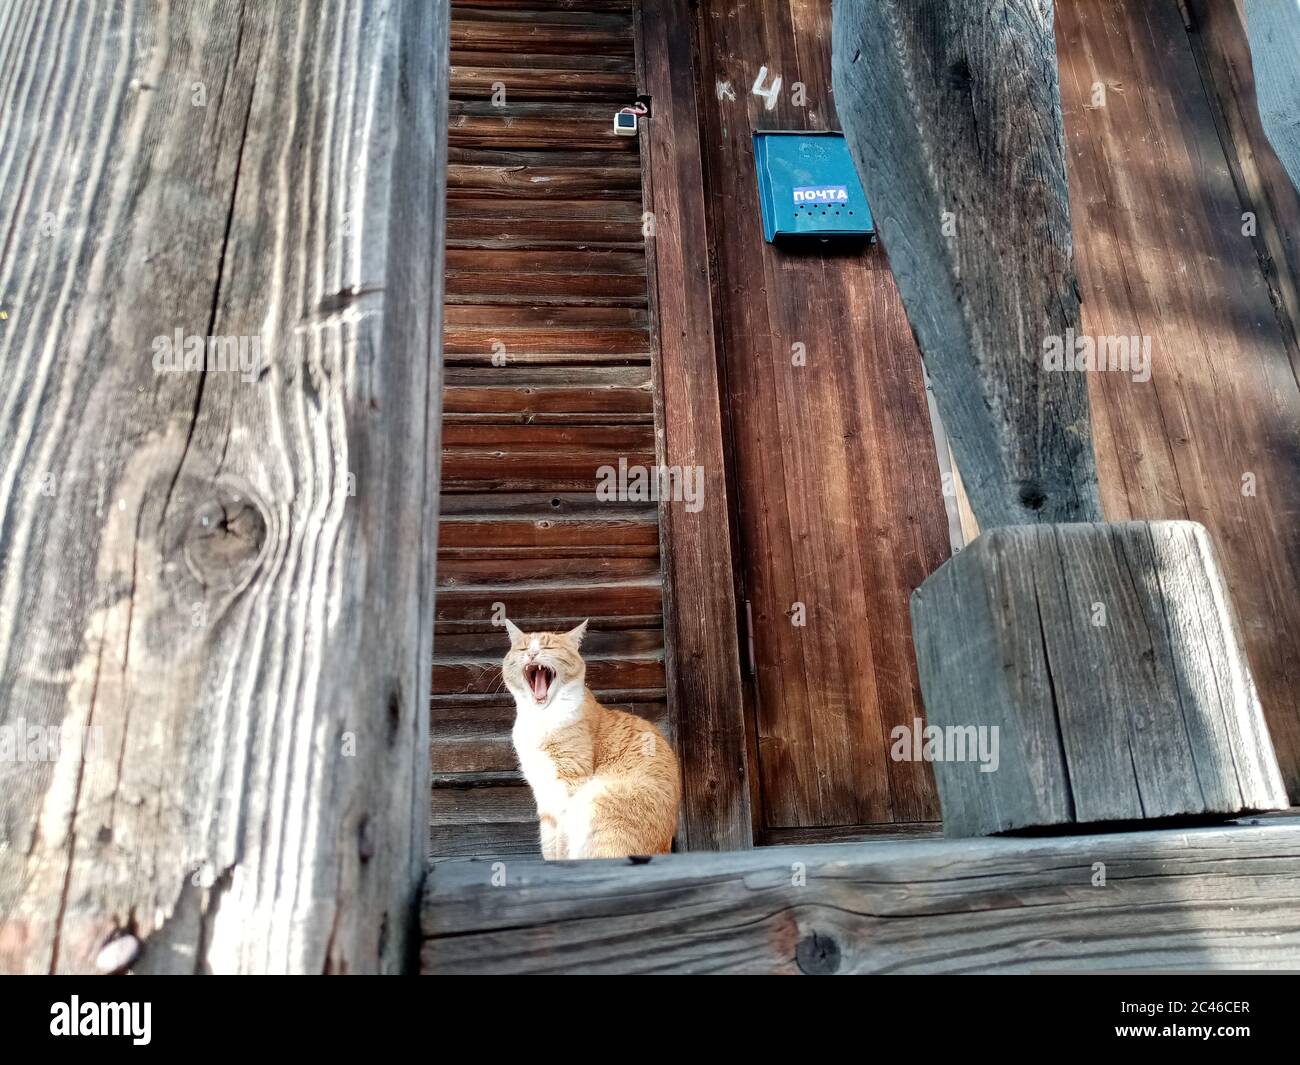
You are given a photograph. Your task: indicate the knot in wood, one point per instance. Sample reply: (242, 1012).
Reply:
(817, 955)
(224, 541)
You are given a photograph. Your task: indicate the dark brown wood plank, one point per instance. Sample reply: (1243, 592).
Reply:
(520, 342)
(528, 390)
(221, 650)
(703, 645)
(480, 82)
(596, 263)
(840, 507)
(586, 600)
(543, 33)
(471, 283)
(467, 8)
(486, 211)
(1205, 897)
(529, 61)
(609, 183)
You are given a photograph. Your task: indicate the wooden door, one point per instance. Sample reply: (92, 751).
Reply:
(839, 507)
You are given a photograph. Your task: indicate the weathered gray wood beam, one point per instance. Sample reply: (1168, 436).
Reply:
(1202, 898)
(1273, 27)
(224, 574)
(1088, 673)
(952, 109)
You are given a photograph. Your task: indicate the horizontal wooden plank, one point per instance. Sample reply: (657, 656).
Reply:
(551, 358)
(557, 261)
(542, 506)
(459, 572)
(600, 438)
(543, 600)
(495, 533)
(471, 282)
(818, 834)
(461, 804)
(537, 35)
(564, 182)
(498, 838)
(1222, 897)
(484, 469)
(501, 211)
(463, 7)
(529, 61)
(468, 316)
(531, 390)
(620, 236)
(495, 128)
(514, 343)
(583, 159)
(542, 14)
(537, 299)
(477, 82)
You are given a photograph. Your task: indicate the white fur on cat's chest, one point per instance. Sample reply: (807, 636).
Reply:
(539, 770)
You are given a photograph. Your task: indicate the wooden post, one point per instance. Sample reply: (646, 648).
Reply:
(703, 666)
(953, 113)
(221, 340)
(1103, 659)
(1273, 27)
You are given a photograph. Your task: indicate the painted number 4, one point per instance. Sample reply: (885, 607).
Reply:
(769, 94)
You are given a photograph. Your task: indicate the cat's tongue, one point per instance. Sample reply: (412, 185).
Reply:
(541, 684)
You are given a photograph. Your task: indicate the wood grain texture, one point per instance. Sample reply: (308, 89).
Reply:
(1211, 436)
(703, 664)
(1205, 898)
(1101, 668)
(1222, 52)
(1273, 29)
(199, 585)
(953, 112)
(838, 500)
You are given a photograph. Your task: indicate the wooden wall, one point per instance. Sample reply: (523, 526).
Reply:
(546, 266)
(1161, 175)
(837, 499)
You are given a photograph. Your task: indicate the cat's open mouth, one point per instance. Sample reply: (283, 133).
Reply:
(539, 678)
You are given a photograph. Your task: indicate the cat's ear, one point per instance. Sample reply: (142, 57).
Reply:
(513, 630)
(576, 634)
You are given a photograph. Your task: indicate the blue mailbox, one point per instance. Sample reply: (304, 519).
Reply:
(809, 187)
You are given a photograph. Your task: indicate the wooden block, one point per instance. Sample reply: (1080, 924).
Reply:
(1101, 670)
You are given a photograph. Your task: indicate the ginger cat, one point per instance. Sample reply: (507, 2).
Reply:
(606, 782)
